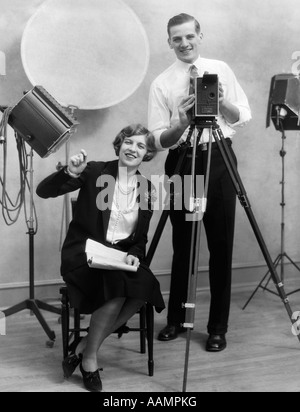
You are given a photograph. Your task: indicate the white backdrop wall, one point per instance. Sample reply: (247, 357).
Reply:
(257, 39)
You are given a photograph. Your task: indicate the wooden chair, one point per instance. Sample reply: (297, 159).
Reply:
(72, 329)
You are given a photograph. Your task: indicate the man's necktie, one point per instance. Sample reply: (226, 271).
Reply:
(193, 75)
(190, 182)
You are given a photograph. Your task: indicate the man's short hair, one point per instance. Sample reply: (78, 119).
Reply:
(181, 19)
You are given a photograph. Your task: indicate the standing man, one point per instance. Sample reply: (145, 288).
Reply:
(169, 119)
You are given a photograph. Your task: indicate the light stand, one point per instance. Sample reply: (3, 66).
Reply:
(280, 259)
(41, 122)
(33, 304)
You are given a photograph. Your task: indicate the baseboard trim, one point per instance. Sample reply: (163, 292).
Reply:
(246, 277)
(25, 285)
(158, 273)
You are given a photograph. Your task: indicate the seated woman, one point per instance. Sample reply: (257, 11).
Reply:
(119, 221)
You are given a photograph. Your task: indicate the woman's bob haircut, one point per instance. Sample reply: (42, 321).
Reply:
(136, 130)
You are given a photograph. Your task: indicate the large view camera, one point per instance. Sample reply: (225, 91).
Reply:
(207, 96)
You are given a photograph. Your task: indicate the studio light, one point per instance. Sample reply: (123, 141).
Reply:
(284, 102)
(41, 121)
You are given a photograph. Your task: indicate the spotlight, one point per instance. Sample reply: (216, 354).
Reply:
(284, 102)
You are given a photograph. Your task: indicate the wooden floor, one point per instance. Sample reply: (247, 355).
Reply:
(262, 354)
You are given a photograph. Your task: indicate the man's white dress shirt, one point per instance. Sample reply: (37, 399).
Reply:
(171, 86)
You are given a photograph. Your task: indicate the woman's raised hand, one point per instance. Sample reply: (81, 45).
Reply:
(78, 162)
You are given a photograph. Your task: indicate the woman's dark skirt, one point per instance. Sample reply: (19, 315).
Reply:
(89, 289)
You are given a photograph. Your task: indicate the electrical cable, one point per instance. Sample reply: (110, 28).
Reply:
(11, 209)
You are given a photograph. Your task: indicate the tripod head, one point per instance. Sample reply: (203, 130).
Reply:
(201, 123)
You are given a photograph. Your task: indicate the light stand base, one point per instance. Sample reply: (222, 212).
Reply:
(280, 258)
(34, 306)
(264, 287)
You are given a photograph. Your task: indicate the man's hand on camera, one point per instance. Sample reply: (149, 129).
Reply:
(172, 136)
(229, 111)
(221, 94)
(184, 108)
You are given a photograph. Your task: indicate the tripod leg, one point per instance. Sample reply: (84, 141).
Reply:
(297, 267)
(187, 355)
(294, 291)
(194, 258)
(15, 309)
(276, 263)
(242, 195)
(179, 170)
(260, 285)
(192, 289)
(166, 212)
(157, 235)
(36, 311)
(292, 262)
(47, 307)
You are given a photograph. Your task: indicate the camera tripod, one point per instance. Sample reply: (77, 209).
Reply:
(199, 211)
(280, 259)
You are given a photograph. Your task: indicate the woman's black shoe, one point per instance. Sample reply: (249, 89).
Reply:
(91, 380)
(70, 363)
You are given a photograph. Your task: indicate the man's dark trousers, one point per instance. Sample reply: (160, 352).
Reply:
(219, 221)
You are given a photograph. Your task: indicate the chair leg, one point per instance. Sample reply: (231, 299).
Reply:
(150, 337)
(65, 322)
(143, 329)
(76, 324)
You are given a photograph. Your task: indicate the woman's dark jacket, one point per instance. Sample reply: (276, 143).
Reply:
(90, 222)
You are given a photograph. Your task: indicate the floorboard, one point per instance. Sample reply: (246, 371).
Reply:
(262, 355)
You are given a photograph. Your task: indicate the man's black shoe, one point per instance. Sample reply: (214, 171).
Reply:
(216, 343)
(170, 332)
